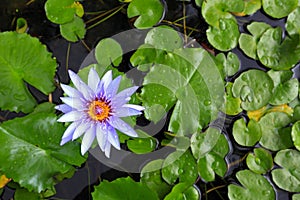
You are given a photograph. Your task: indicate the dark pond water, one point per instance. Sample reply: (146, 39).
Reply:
(80, 186)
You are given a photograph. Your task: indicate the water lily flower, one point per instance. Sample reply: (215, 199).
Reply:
(95, 110)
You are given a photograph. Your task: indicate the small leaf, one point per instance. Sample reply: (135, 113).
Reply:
(233, 105)
(33, 141)
(246, 135)
(279, 77)
(254, 186)
(22, 25)
(285, 92)
(149, 12)
(251, 6)
(183, 191)
(108, 52)
(151, 176)
(179, 165)
(254, 87)
(274, 136)
(296, 134)
(142, 145)
(123, 188)
(292, 24)
(22, 194)
(296, 197)
(74, 30)
(288, 177)
(230, 65)
(279, 9)
(23, 59)
(60, 12)
(225, 36)
(260, 161)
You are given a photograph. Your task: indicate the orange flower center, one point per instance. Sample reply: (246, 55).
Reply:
(99, 110)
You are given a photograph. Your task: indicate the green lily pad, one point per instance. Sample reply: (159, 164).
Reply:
(164, 38)
(60, 12)
(246, 135)
(231, 64)
(248, 43)
(181, 78)
(149, 12)
(292, 23)
(33, 141)
(280, 77)
(285, 92)
(274, 134)
(279, 9)
(199, 2)
(260, 161)
(22, 194)
(251, 6)
(275, 53)
(183, 191)
(288, 177)
(210, 148)
(225, 36)
(108, 52)
(142, 145)
(254, 186)
(254, 88)
(23, 59)
(144, 57)
(179, 165)
(74, 30)
(233, 105)
(151, 176)
(296, 197)
(180, 143)
(123, 188)
(296, 134)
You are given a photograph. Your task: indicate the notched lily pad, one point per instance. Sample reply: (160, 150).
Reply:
(74, 30)
(254, 88)
(60, 12)
(246, 135)
(279, 9)
(288, 177)
(149, 12)
(285, 92)
(260, 161)
(254, 186)
(183, 191)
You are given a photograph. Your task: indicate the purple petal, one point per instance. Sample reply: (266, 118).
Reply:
(106, 79)
(71, 92)
(124, 112)
(80, 130)
(73, 102)
(93, 79)
(86, 91)
(65, 140)
(123, 97)
(101, 133)
(113, 87)
(136, 107)
(70, 130)
(88, 139)
(63, 108)
(107, 149)
(113, 137)
(70, 116)
(122, 126)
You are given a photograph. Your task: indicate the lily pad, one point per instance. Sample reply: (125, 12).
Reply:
(126, 189)
(254, 186)
(292, 23)
(180, 165)
(279, 9)
(296, 134)
(60, 12)
(231, 64)
(142, 145)
(74, 30)
(22, 194)
(210, 148)
(21, 58)
(246, 135)
(248, 43)
(149, 12)
(254, 88)
(280, 77)
(225, 36)
(33, 141)
(274, 134)
(151, 176)
(260, 161)
(296, 197)
(288, 177)
(251, 6)
(285, 92)
(233, 105)
(183, 191)
(108, 52)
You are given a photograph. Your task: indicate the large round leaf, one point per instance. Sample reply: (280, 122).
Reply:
(279, 8)
(60, 12)
(123, 188)
(23, 58)
(288, 177)
(149, 12)
(254, 187)
(254, 87)
(30, 151)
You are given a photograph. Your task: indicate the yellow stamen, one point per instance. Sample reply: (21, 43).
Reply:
(99, 110)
